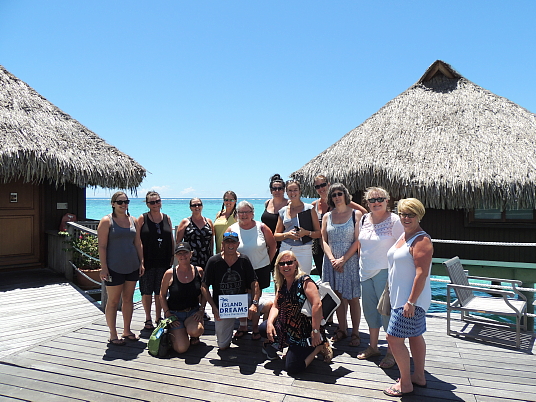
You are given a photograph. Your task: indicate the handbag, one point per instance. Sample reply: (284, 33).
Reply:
(330, 302)
(159, 342)
(384, 304)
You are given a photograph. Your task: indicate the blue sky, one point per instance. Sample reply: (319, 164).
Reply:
(217, 95)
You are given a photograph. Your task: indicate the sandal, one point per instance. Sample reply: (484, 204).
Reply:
(194, 340)
(327, 352)
(131, 337)
(240, 333)
(255, 335)
(368, 353)
(149, 325)
(388, 361)
(356, 340)
(339, 335)
(116, 342)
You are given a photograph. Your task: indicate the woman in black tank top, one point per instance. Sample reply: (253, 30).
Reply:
(185, 300)
(271, 207)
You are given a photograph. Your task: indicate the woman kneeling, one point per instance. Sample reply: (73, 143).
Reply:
(286, 325)
(185, 300)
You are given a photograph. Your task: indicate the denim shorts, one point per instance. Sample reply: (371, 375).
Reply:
(182, 316)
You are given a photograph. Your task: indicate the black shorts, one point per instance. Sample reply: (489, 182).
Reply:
(151, 280)
(119, 279)
(264, 276)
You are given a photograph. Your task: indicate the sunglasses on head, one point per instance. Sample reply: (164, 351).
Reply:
(154, 202)
(230, 236)
(121, 202)
(377, 199)
(283, 263)
(277, 188)
(229, 199)
(339, 194)
(319, 186)
(196, 205)
(403, 215)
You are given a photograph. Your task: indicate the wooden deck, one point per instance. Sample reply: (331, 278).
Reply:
(51, 360)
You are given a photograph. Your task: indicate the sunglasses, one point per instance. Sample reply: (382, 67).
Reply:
(229, 199)
(403, 215)
(339, 194)
(378, 199)
(230, 236)
(288, 263)
(196, 205)
(154, 202)
(121, 202)
(277, 188)
(319, 186)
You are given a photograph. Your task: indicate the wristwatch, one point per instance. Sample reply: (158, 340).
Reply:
(255, 302)
(411, 304)
(316, 331)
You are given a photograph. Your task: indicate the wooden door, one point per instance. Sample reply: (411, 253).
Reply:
(20, 237)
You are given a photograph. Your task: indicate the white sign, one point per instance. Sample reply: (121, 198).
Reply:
(233, 306)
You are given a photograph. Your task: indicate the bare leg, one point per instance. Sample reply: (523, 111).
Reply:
(114, 294)
(374, 336)
(158, 307)
(179, 340)
(418, 351)
(194, 328)
(146, 301)
(264, 312)
(401, 354)
(341, 313)
(355, 314)
(128, 305)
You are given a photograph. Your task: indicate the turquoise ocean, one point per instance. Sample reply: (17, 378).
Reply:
(178, 209)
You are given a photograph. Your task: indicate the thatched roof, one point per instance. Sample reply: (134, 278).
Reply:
(40, 142)
(445, 140)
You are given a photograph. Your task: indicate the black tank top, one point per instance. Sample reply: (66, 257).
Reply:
(269, 220)
(184, 295)
(157, 242)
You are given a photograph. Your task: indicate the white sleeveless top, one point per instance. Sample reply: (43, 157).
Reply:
(402, 274)
(252, 244)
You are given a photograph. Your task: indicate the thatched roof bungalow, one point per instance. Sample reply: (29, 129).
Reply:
(457, 147)
(47, 159)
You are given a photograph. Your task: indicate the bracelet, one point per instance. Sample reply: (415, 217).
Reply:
(410, 303)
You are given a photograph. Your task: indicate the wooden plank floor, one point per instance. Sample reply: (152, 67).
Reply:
(75, 363)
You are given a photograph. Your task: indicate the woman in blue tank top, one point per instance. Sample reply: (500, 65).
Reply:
(121, 261)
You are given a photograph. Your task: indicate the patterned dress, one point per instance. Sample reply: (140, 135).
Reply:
(200, 241)
(340, 238)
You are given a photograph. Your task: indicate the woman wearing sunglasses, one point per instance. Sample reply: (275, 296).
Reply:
(157, 241)
(225, 218)
(297, 225)
(340, 230)
(410, 262)
(378, 231)
(272, 206)
(286, 325)
(322, 207)
(198, 231)
(121, 259)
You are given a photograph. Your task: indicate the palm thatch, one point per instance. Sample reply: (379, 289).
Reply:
(445, 141)
(40, 142)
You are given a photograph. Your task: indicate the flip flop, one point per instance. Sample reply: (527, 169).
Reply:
(255, 335)
(415, 384)
(396, 393)
(356, 340)
(240, 333)
(149, 325)
(116, 342)
(131, 337)
(368, 353)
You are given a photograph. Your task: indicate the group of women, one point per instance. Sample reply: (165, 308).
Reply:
(359, 251)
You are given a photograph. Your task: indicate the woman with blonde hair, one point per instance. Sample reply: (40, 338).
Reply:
(378, 231)
(286, 325)
(410, 262)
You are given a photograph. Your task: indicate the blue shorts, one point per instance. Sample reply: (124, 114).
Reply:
(119, 279)
(405, 327)
(182, 316)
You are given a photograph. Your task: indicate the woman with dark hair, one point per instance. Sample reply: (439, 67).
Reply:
(157, 241)
(286, 325)
(198, 231)
(121, 259)
(340, 231)
(184, 300)
(290, 231)
(321, 205)
(272, 206)
(225, 218)
(410, 262)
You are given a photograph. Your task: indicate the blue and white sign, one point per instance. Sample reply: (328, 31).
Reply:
(233, 306)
